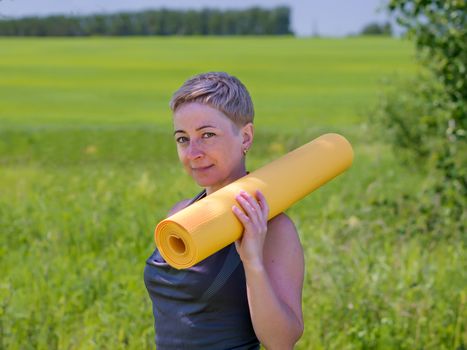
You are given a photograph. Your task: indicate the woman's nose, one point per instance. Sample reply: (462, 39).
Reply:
(194, 150)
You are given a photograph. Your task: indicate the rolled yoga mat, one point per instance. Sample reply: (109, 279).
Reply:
(206, 226)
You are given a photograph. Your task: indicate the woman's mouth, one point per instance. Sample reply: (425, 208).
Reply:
(201, 169)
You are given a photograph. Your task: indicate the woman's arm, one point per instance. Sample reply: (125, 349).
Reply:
(179, 206)
(273, 260)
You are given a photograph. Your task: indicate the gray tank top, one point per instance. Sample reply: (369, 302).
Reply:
(202, 307)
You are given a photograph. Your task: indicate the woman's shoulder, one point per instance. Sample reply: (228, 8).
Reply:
(186, 202)
(282, 237)
(282, 223)
(179, 206)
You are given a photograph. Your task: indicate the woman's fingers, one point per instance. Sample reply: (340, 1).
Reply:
(251, 206)
(241, 215)
(245, 216)
(255, 210)
(253, 214)
(256, 203)
(263, 203)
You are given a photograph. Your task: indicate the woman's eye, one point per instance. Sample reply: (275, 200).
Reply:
(181, 139)
(207, 135)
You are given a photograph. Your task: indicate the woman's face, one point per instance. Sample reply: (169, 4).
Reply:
(210, 146)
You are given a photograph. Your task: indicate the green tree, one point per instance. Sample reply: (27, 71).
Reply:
(439, 29)
(377, 29)
(427, 119)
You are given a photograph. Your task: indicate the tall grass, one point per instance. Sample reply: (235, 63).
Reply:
(88, 167)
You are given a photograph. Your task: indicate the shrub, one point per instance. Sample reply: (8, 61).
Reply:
(425, 118)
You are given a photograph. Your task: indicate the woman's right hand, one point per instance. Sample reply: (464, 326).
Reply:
(254, 218)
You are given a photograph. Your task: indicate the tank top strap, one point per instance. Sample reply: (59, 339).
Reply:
(199, 196)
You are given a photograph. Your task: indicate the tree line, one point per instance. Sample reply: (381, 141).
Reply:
(375, 28)
(251, 21)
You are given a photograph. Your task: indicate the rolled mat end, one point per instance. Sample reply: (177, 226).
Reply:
(175, 244)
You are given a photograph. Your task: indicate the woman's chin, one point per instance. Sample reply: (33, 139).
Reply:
(206, 181)
(213, 182)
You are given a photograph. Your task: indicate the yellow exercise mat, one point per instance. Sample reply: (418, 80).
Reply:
(206, 226)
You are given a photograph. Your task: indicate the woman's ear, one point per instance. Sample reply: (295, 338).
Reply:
(247, 132)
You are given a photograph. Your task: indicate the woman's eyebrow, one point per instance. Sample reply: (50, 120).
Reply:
(198, 129)
(205, 126)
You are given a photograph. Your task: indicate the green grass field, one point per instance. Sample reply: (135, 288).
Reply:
(88, 167)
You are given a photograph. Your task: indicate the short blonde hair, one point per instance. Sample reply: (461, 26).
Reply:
(219, 90)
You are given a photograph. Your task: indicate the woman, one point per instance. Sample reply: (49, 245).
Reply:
(249, 292)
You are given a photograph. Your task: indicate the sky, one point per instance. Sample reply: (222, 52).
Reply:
(309, 17)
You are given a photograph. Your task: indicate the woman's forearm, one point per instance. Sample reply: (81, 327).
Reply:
(275, 323)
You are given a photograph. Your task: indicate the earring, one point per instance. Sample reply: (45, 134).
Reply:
(245, 151)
